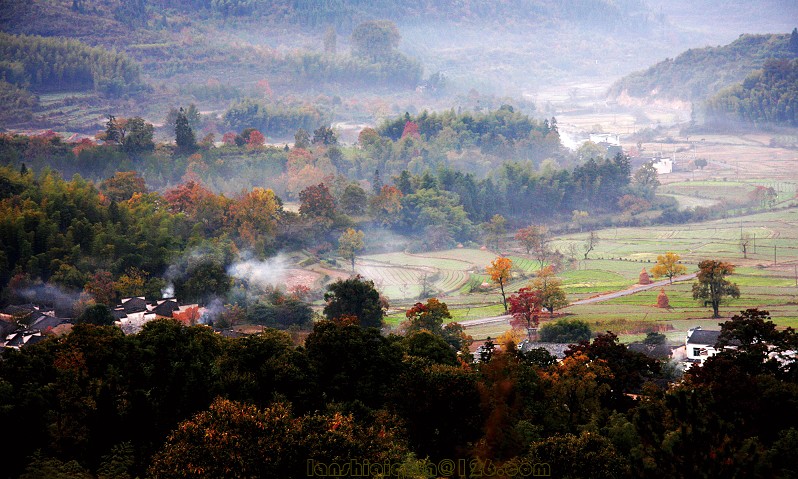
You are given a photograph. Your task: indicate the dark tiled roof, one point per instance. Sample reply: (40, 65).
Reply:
(7, 327)
(34, 339)
(134, 305)
(555, 349)
(15, 309)
(43, 322)
(656, 351)
(703, 336)
(165, 307)
(14, 339)
(24, 309)
(23, 338)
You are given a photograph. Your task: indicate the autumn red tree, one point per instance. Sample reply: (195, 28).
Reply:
(83, 144)
(189, 317)
(411, 129)
(256, 140)
(525, 308)
(264, 87)
(368, 137)
(317, 202)
(429, 316)
(101, 288)
(229, 138)
(186, 197)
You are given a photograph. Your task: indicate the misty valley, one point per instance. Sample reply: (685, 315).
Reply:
(292, 238)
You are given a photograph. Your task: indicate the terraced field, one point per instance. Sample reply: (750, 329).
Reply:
(404, 276)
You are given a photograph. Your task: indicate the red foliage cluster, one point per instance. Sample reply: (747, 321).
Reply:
(525, 308)
(411, 129)
(256, 140)
(229, 138)
(83, 144)
(317, 201)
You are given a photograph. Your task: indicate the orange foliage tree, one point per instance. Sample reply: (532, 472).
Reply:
(188, 317)
(101, 288)
(254, 216)
(123, 185)
(386, 205)
(500, 273)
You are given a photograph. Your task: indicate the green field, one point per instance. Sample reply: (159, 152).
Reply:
(614, 265)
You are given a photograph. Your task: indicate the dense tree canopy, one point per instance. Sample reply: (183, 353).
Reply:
(767, 96)
(354, 297)
(191, 396)
(66, 64)
(375, 39)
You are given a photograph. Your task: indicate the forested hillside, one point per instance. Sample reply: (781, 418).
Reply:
(701, 72)
(440, 181)
(767, 97)
(61, 64)
(602, 14)
(428, 55)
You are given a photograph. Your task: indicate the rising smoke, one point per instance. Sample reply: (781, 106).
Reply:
(60, 299)
(261, 273)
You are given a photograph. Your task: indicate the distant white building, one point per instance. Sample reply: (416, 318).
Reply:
(611, 142)
(608, 138)
(662, 165)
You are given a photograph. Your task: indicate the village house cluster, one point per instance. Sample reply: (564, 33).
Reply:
(25, 324)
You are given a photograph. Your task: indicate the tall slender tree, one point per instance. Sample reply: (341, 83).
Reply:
(184, 135)
(350, 242)
(500, 271)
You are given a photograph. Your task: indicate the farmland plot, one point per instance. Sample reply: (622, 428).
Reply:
(404, 276)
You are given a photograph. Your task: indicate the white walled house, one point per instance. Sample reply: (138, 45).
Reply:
(700, 344)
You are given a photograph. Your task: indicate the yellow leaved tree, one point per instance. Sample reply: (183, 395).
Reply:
(500, 273)
(668, 265)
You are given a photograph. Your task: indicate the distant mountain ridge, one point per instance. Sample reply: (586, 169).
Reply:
(86, 19)
(699, 73)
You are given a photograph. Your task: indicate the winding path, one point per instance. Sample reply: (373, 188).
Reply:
(595, 299)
